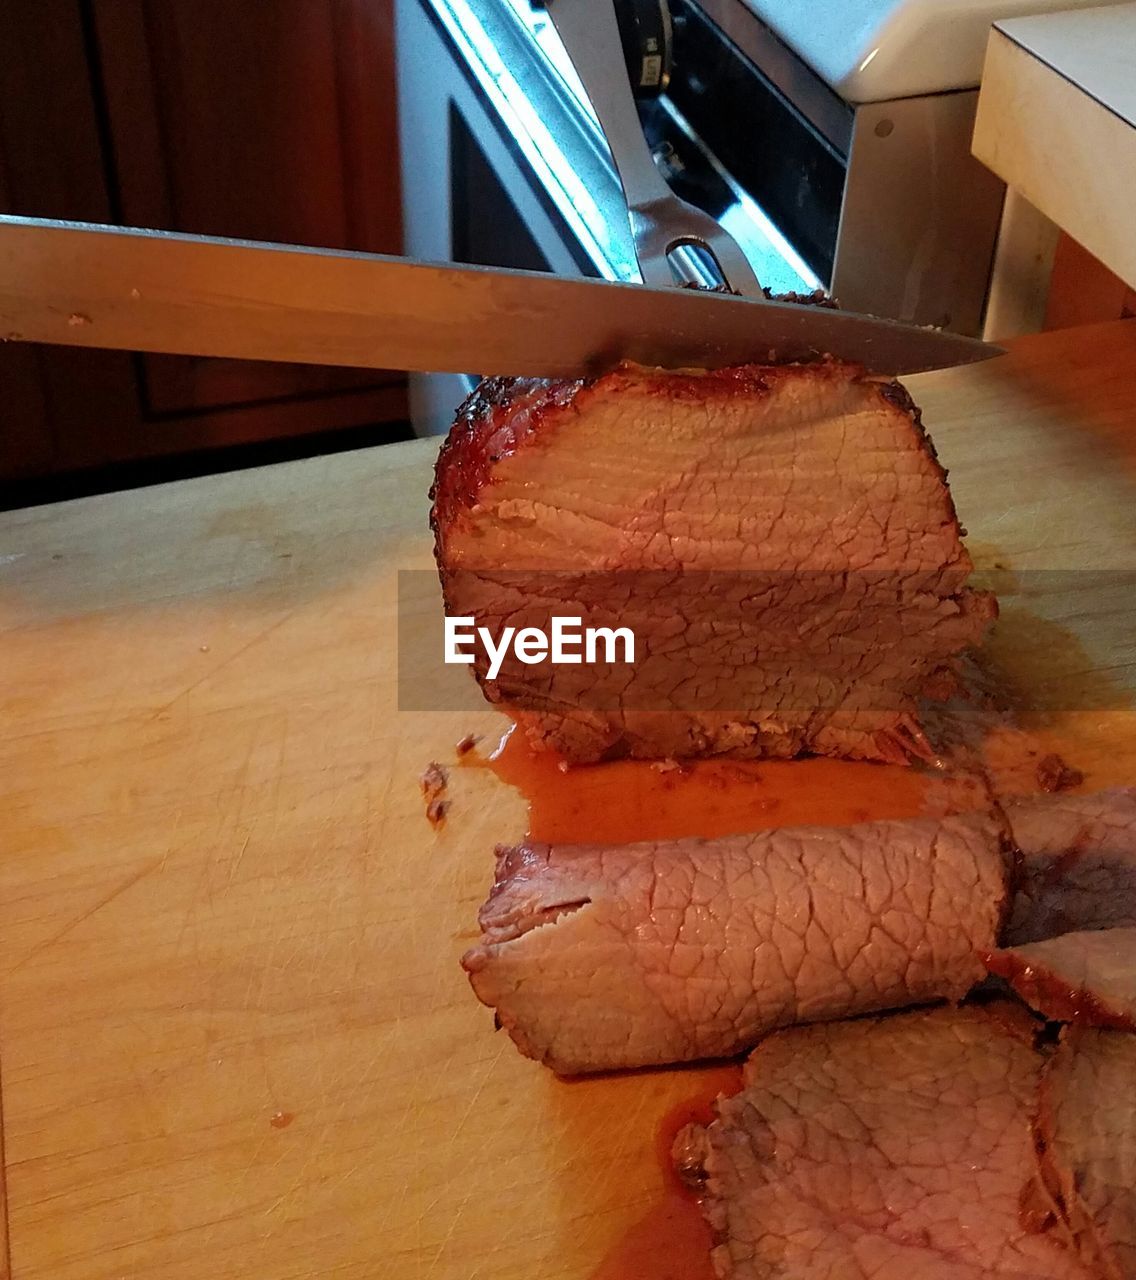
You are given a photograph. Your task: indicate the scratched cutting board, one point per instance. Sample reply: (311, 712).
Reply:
(234, 1037)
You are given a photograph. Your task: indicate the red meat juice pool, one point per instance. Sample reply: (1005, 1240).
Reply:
(628, 800)
(672, 1241)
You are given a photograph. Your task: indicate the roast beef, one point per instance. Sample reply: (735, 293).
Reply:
(1087, 977)
(600, 957)
(1087, 1132)
(1077, 866)
(884, 1149)
(780, 539)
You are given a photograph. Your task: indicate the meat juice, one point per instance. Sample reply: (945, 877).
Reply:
(629, 800)
(673, 1241)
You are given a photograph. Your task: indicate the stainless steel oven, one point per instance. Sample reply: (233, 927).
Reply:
(832, 140)
(504, 164)
(499, 165)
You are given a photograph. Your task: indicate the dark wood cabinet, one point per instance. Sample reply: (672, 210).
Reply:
(268, 121)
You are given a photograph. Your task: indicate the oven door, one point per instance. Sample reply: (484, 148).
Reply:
(504, 163)
(500, 165)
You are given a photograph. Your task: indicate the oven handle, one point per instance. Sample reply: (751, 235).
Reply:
(660, 221)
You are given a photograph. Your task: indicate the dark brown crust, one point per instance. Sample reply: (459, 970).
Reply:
(897, 395)
(1053, 774)
(817, 298)
(497, 418)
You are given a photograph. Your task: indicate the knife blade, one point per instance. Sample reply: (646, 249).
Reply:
(82, 284)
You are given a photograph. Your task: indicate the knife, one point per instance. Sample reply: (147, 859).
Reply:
(89, 285)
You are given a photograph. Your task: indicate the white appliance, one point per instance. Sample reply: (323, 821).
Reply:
(882, 50)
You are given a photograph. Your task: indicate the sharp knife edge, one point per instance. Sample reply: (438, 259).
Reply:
(89, 285)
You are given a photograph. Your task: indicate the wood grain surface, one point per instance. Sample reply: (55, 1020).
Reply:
(234, 1036)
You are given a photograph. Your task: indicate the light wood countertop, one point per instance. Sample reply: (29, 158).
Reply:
(234, 1037)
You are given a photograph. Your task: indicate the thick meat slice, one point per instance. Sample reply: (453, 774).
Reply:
(1078, 864)
(884, 1149)
(1088, 1129)
(780, 540)
(1087, 977)
(625, 956)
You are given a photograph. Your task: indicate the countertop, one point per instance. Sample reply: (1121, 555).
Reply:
(234, 1036)
(1056, 122)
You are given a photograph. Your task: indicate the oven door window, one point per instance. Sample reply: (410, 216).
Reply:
(485, 227)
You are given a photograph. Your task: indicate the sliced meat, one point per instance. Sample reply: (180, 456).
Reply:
(780, 540)
(600, 957)
(1078, 864)
(883, 1149)
(1087, 977)
(1087, 1125)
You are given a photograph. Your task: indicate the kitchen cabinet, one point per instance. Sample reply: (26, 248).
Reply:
(1056, 122)
(272, 122)
(1082, 290)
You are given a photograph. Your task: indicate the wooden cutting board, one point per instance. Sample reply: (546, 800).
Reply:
(234, 1037)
